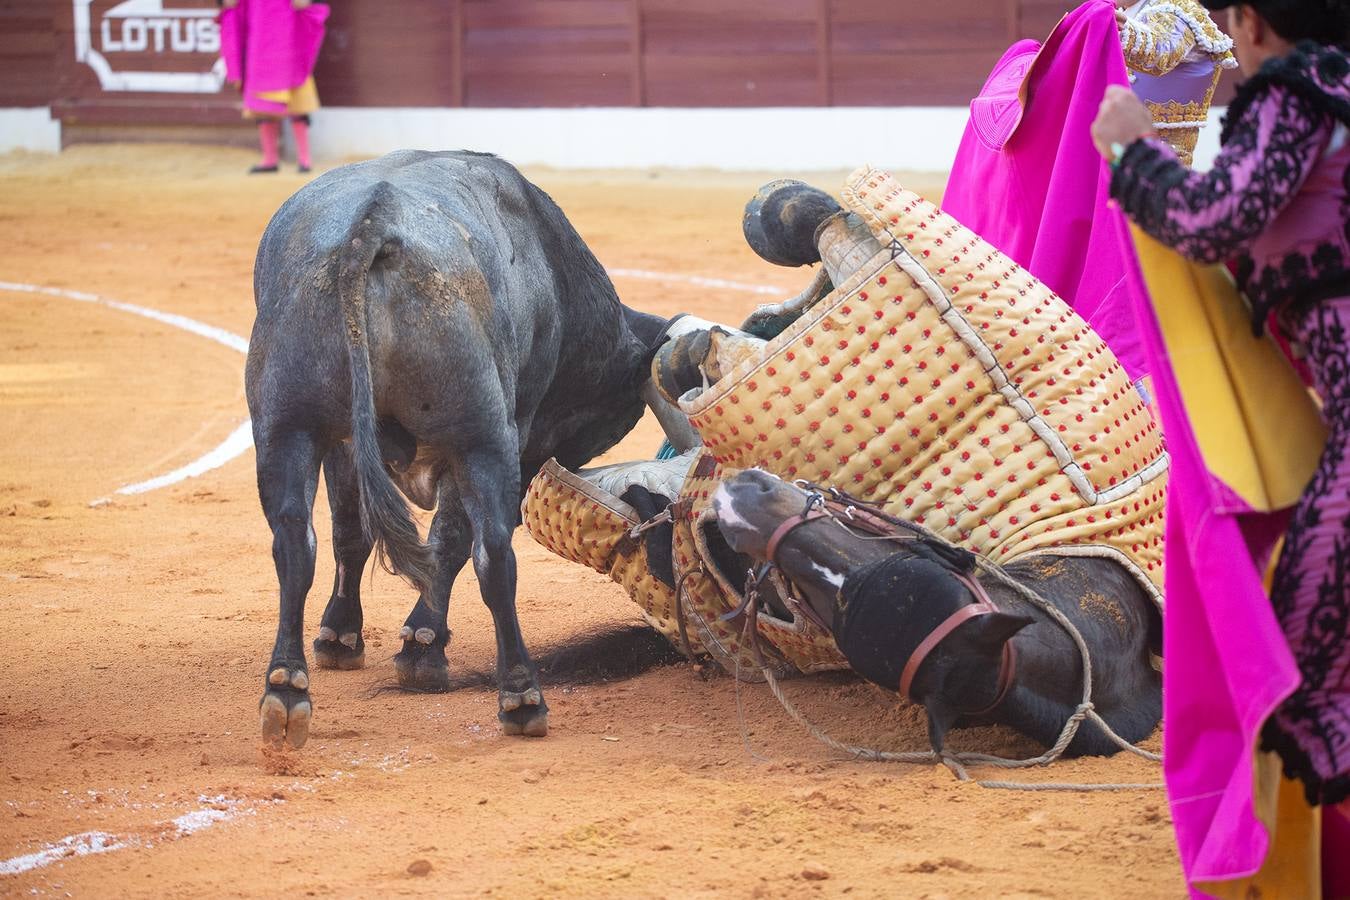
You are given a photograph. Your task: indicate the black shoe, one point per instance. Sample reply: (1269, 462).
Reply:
(262, 170)
(303, 170)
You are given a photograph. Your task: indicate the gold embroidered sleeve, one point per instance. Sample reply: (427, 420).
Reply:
(1157, 42)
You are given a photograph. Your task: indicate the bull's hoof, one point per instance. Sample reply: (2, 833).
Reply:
(421, 664)
(523, 713)
(285, 709)
(334, 651)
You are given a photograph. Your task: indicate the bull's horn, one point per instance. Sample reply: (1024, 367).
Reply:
(674, 423)
(781, 220)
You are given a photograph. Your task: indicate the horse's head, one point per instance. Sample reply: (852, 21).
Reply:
(760, 514)
(901, 612)
(750, 506)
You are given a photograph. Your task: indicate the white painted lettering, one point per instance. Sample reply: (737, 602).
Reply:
(178, 34)
(109, 45)
(134, 35)
(158, 26)
(183, 37)
(208, 36)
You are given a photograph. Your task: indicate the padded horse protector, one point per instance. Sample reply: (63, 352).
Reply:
(580, 521)
(947, 384)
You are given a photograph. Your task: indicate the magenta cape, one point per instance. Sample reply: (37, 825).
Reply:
(1227, 663)
(269, 46)
(1029, 181)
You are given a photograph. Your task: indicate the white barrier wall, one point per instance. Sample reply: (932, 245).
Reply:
(728, 139)
(805, 139)
(29, 129)
(913, 138)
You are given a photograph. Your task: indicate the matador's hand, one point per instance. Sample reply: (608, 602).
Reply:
(1121, 120)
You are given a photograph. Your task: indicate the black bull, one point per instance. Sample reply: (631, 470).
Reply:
(430, 320)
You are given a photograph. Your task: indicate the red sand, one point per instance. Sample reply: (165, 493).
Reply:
(138, 632)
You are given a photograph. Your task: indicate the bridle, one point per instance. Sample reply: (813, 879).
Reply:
(982, 606)
(850, 512)
(815, 509)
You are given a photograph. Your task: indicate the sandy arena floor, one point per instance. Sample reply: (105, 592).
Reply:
(136, 630)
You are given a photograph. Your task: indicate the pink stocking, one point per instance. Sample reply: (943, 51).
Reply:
(269, 135)
(300, 128)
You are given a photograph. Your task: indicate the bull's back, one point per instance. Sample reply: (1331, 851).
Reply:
(458, 296)
(452, 207)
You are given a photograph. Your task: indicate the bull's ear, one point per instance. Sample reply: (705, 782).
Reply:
(991, 632)
(941, 718)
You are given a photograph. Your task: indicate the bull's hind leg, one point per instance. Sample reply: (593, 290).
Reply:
(340, 644)
(490, 485)
(421, 664)
(288, 475)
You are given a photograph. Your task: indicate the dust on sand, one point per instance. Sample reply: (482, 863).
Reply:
(137, 632)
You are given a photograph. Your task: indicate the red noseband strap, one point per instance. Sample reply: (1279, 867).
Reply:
(782, 531)
(982, 606)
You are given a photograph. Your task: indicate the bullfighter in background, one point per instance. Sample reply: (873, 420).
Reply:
(269, 48)
(1175, 54)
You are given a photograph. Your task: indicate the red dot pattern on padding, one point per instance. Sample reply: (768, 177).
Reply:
(877, 392)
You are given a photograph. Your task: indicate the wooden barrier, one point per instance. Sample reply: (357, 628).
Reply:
(107, 63)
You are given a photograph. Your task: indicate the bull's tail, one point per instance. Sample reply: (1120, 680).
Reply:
(384, 514)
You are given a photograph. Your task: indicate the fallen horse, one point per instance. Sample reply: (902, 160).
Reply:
(914, 614)
(941, 383)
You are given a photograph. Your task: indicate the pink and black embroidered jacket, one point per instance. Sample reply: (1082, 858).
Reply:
(1276, 201)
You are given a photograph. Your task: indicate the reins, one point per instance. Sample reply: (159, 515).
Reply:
(884, 526)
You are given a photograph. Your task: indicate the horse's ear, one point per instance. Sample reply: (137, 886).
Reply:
(991, 632)
(941, 718)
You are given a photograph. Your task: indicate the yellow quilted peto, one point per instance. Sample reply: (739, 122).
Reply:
(947, 384)
(574, 519)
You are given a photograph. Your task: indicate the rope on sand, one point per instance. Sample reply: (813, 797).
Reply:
(957, 762)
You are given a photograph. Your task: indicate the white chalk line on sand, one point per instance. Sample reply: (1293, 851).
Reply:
(700, 281)
(241, 439)
(90, 843)
(210, 332)
(233, 446)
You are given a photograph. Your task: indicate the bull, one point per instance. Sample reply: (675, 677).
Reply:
(430, 324)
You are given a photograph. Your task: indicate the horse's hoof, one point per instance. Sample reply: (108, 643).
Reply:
(523, 713)
(781, 219)
(423, 668)
(286, 710)
(334, 651)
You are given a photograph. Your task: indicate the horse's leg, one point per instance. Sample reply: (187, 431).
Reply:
(340, 644)
(288, 475)
(422, 664)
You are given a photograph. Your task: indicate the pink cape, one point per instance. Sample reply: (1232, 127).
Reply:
(269, 46)
(1028, 179)
(1227, 665)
